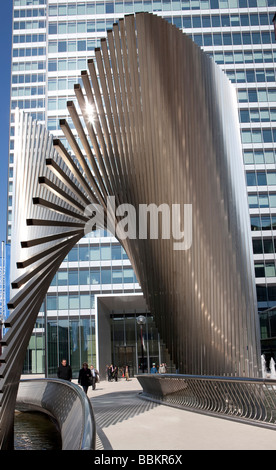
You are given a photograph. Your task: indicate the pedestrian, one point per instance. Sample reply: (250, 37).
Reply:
(153, 369)
(126, 373)
(110, 373)
(115, 373)
(94, 377)
(64, 371)
(84, 376)
(162, 369)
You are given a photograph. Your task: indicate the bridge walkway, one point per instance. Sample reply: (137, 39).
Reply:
(125, 421)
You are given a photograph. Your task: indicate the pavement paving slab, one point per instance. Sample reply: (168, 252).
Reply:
(126, 421)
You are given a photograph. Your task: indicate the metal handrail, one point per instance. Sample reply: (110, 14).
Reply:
(67, 404)
(238, 398)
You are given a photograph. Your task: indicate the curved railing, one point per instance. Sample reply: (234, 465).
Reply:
(238, 398)
(67, 404)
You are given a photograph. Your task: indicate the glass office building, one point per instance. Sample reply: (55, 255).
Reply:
(52, 40)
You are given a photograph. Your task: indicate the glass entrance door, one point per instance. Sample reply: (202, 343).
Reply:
(135, 343)
(125, 356)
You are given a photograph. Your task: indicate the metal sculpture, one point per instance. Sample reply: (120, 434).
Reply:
(163, 131)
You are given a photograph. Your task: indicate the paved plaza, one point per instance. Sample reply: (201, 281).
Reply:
(125, 421)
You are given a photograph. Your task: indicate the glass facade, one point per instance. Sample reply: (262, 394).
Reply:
(137, 345)
(52, 41)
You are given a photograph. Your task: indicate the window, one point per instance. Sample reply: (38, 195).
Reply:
(271, 95)
(261, 294)
(256, 136)
(90, 26)
(272, 200)
(73, 277)
(206, 21)
(62, 278)
(264, 117)
(83, 253)
(106, 276)
(117, 277)
(196, 22)
(81, 45)
(252, 96)
(52, 65)
(263, 200)
(225, 20)
(84, 277)
(109, 7)
(62, 46)
(242, 95)
(257, 246)
(237, 38)
(116, 252)
(90, 9)
(251, 179)
(187, 22)
(105, 252)
(268, 245)
(250, 76)
(94, 277)
(52, 46)
(72, 9)
(227, 41)
(94, 253)
(244, 115)
(128, 275)
(198, 39)
(259, 270)
(81, 9)
(207, 38)
(62, 84)
(63, 302)
(84, 301)
(265, 223)
(100, 7)
(261, 179)
(62, 10)
(271, 178)
(62, 28)
(53, 28)
(270, 269)
(256, 38)
(51, 302)
(74, 302)
(253, 201)
(73, 254)
(215, 21)
(81, 27)
(255, 223)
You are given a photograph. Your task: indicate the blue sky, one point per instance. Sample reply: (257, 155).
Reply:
(5, 71)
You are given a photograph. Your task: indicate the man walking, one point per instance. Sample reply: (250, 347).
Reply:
(64, 371)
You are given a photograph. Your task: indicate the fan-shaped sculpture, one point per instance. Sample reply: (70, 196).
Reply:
(164, 135)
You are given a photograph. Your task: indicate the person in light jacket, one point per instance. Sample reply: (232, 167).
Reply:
(95, 376)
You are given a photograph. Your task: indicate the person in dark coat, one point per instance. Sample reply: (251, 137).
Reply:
(64, 371)
(110, 373)
(84, 377)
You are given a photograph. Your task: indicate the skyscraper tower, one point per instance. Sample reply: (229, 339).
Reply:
(52, 41)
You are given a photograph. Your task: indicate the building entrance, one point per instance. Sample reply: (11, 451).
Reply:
(127, 335)
(136, 343)
(125, 355)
